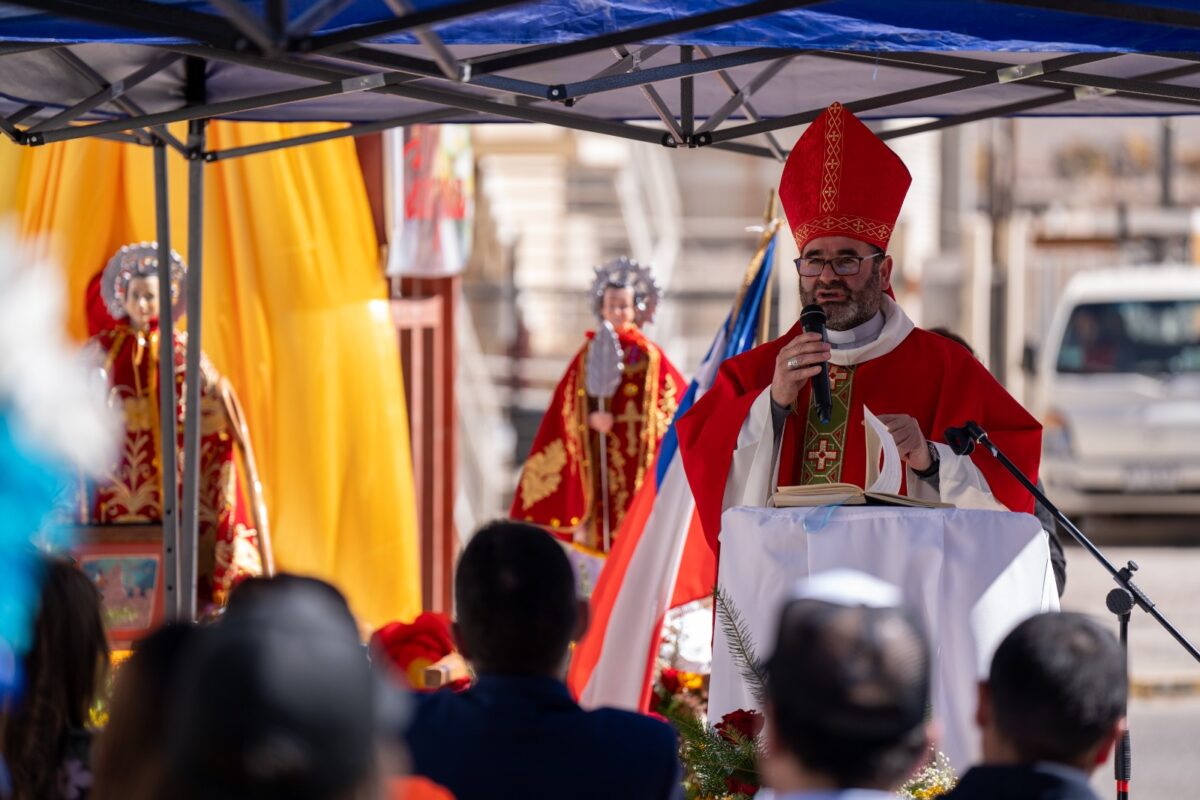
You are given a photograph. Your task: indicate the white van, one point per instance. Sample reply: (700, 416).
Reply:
(1118, 392)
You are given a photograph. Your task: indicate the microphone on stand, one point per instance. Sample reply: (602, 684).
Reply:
(1120, 601)
(812, 320)
(962, 440)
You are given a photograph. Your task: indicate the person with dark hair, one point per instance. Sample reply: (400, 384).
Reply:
(130, 760)
(278, 701)
(1050, 711)
(517, 733)
(44, 737)
(848, 687)
(1058, 558)
(258, 595)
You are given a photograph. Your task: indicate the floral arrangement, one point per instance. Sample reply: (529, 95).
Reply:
(411, 648)
(721, 761)
(933, 780)
(677, 689)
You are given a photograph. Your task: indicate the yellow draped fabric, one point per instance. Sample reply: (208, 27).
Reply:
(295, 315)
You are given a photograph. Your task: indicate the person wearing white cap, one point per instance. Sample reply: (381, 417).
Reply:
(848, 688)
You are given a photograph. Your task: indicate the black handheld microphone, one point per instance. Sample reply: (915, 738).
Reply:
(812, 319)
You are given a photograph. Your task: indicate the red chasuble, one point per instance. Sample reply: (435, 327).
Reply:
(560, 484)
(934, 380)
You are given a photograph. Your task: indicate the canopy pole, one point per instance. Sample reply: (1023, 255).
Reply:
(687, 97)
(191, 426)
(167, 439)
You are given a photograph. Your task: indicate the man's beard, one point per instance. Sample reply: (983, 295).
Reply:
(858, 307)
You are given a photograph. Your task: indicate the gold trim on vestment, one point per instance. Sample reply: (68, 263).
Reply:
(542, 474)
(831, 166)
(835, 224)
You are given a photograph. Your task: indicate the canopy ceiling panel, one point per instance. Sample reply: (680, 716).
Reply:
(679, 72)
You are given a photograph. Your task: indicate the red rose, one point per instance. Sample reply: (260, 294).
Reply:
(410, 648)
(737, 786)
(670, 680)
(747, 723)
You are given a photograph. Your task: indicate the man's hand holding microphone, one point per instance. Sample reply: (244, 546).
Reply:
(806, 358)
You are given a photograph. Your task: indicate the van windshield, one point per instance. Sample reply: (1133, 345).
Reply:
(1151, 337)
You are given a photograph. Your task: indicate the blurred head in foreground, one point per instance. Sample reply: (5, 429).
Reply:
(848, 688)
(278, 700)
(129, 761)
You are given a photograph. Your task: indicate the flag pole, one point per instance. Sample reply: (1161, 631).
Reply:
(771, 223)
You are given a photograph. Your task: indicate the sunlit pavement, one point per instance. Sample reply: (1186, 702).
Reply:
(1165, 709)
(1165, 733)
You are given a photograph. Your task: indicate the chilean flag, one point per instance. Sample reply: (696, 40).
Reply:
(660, 559)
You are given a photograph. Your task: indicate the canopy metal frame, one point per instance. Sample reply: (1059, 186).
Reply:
(345, 61)
(477, 89)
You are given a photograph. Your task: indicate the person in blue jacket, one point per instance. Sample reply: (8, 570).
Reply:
(517, 733)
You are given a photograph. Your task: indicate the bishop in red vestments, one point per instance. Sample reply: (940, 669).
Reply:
(842, 189)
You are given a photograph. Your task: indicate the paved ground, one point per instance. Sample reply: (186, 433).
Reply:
(1171, 577)
(1165, 734)
(1165, 714)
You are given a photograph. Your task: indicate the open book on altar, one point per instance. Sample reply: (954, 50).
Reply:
(884, 483)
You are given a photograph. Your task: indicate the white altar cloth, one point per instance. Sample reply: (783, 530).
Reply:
(970, 576)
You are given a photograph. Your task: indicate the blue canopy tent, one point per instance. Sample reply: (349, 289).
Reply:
(679, 73)
(720, 74)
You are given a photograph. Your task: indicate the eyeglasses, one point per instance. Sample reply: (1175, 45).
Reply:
(842, 265)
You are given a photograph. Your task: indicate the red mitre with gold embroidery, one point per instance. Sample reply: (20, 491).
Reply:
(842, 180)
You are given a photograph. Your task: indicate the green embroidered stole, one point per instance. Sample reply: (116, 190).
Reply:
(825, 445)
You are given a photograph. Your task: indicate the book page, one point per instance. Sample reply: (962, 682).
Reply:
(820, 488)
(892, 472)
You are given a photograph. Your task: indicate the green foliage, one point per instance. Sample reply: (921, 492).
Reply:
(710, 759)
(741, 645)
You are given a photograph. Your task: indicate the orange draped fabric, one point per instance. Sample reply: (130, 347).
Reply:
(295, 316)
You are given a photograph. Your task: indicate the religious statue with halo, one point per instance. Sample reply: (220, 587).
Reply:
(599, 438)
(126, 345)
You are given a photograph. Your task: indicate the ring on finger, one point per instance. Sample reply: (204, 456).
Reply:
(793, 363)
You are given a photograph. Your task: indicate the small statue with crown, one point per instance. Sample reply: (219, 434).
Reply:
(600, 435)
(124, 316)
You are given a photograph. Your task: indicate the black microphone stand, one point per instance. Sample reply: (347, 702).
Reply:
(1120, 601)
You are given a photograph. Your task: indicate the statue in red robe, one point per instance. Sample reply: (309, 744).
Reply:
(757, 429)
(561, 487)
(132, 491)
